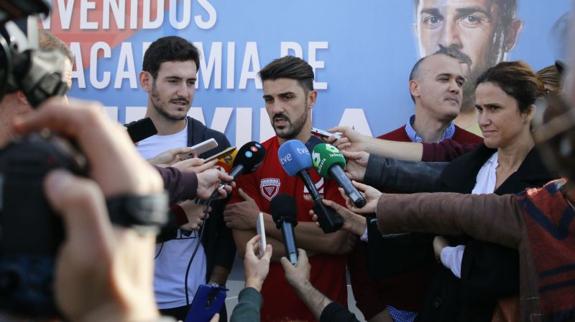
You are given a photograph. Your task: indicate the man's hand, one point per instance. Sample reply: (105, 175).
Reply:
(115, 164)
(350, 140)
(256, 269)
(242, 215)
(356, 164)
(371, 196)
(115, 264)
(210, 180)
(352, 222)
(168, 158)
(195, 214)
(297, 276)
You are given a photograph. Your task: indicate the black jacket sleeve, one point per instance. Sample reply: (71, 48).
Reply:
(180, 185)
(403, 176)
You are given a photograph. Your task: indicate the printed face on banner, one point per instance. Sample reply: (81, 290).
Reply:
(172, 91)
(288, 106)
(484, 30)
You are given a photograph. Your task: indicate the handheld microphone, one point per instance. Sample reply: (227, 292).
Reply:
(283, 210)
(329, 163)
(295, 160)
(248, 159)
(141, 129)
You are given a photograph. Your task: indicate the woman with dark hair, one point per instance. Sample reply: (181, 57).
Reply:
(482, 278)
(479, 281)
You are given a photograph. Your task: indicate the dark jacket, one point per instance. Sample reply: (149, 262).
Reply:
(406, 177)
(489, 271)
(217, 238)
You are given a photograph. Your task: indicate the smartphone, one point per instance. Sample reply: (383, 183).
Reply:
(207, 301)
(222, 154)
(225, 158)
(141, 129)
(261, 228)
(324, 134)
(204, 146)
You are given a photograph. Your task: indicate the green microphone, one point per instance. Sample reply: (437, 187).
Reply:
(329, 163)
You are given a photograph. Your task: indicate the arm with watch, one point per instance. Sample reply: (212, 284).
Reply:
(132, 189)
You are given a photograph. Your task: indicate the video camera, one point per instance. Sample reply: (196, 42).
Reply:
(30, 232)
(37, 73)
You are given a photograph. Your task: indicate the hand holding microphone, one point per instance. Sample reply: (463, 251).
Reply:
(329, 163)
(295, 160)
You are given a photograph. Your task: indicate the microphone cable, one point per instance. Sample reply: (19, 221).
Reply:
(207, 210)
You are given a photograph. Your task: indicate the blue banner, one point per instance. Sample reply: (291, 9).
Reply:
(361, 51)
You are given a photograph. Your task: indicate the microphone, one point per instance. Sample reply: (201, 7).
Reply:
(295, 159)
(247, 159)
(329, 163)
(141, 129)
(283, 210)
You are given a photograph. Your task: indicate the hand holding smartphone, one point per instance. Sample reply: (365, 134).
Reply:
(203, 147)
(208, 300)
(222, 154)
(261, 228)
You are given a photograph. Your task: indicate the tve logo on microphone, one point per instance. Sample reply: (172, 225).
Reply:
(292, 150)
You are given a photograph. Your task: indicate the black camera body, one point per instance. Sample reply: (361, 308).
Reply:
(30, 232)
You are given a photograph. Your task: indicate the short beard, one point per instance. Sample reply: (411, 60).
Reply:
(295, 127)
(161, 111)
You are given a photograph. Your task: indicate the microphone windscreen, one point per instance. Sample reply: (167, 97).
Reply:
(283, 209)
(294, 157)
(141, 129)
(250, 156)
(325, 156)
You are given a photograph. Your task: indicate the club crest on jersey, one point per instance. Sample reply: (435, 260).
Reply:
(318, 185)
(269, 187)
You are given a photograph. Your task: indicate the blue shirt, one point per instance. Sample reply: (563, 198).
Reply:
(414, 137)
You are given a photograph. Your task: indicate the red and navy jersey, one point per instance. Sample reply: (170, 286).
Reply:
(327, 271)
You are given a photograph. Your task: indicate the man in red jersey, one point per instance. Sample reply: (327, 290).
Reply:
(289, 98)
(436, 87)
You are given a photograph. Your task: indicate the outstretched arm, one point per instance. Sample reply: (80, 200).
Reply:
(491, 218)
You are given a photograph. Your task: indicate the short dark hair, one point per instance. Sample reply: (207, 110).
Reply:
(517, 80)
(289, 67)
(168, 49)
